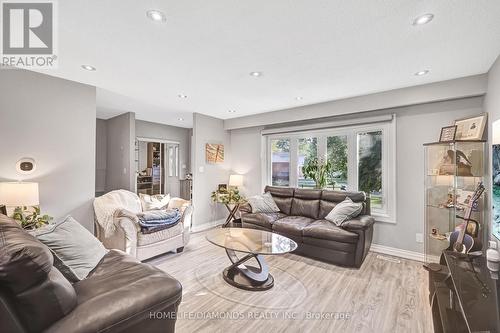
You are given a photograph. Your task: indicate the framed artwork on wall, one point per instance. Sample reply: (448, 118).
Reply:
(471, 128)
(214, 153)
(448, 133)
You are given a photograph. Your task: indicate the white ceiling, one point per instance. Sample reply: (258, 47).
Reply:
(318, 49)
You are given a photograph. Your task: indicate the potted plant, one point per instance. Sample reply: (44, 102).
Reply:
(318, 171)
(30, 220)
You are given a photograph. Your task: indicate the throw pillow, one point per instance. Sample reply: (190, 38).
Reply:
(263, 203)
(154, 202)
(76, 251)
(344, 211)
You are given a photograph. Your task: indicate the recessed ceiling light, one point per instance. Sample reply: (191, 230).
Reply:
(180, 119)
(231, 111)
(420, 73)
(256, 74)
(423, 19)
(182, 96)
(299, 98)
(89, 68)
(156, 15)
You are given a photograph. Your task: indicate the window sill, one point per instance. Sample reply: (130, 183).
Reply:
(380, 217)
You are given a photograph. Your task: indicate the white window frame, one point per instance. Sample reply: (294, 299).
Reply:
(388, 213)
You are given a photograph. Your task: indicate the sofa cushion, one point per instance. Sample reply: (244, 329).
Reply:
(291, 225)
(308, 194)
(76, 250)
(324, 229)
(263, 203)
(307, 208)
(158, 236)
(282, 197)
(262, 219)
(154, 202)
(120, 289)
(344, 211)
(41, 294)
(329, 199)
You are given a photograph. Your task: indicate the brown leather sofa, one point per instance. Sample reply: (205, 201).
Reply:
(302, 218)
(120, 295)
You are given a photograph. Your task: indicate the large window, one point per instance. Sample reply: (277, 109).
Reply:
(280, 162)
(370, 166)
(336, 148)
(308, 151)
(360, 158)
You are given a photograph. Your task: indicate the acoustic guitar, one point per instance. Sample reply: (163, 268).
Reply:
(460, 240)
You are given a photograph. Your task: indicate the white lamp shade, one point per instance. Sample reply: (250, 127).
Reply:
(17, 194)
(236, 180)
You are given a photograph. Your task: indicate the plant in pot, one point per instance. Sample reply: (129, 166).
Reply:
(31, 219)
(317, 170)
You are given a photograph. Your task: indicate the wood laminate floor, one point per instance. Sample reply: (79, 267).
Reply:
(384, 295)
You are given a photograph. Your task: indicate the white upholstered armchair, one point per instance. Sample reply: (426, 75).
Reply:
(126, 233)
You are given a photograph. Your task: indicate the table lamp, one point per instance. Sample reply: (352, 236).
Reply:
(235, 180)
(19, 194)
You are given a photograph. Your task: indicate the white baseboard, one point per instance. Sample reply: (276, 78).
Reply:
(392, 251)
(206, 226)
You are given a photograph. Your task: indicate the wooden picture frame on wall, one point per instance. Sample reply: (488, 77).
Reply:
(214, 153)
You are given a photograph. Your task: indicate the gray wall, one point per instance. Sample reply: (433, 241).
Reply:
(433, 92)
(151, 130)
(101, 155)
(492, 106)
(53, 121)
(415, 125)
(120, 161)
(207, 176)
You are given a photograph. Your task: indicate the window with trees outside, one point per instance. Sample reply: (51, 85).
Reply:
(347, 159)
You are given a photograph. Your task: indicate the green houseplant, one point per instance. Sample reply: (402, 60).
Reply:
(30, 219)
(318, 171)
(227, 196)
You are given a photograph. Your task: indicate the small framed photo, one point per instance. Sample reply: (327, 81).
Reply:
(222, 188)
(471, 128)
(448, 134)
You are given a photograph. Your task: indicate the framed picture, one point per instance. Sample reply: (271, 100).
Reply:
(222, 188)
(448, 133)
(471, 128)
(214, 153)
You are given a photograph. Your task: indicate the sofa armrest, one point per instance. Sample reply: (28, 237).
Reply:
(245, 208)
(361, 222)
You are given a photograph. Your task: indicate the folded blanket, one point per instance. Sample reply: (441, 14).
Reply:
(106, 206)
(152, 221)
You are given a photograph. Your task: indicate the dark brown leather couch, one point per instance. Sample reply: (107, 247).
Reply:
(120, 295)
(302, 218)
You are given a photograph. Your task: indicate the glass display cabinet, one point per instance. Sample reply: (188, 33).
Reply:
(452, 173)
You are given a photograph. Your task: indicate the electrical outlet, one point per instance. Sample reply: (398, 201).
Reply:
(419, 238)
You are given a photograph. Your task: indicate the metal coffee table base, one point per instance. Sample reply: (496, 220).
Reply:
(248, 277)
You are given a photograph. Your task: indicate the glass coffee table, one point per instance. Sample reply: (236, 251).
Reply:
(253, 244)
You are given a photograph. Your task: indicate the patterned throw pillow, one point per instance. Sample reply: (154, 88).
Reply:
(154, 202)
(344, 211)
(263, 203)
